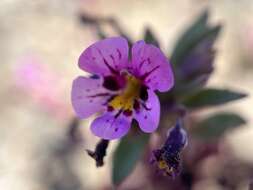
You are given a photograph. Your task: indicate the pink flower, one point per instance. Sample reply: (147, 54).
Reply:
(122, 86)
(38, 82)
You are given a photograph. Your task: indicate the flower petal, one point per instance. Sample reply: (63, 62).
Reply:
(151, 64)
(110, 127)
(149, 118)
(106, 56)
(88, 96)
(177, 137)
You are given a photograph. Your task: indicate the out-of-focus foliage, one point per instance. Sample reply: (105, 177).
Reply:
(150, 38)
(99, 22)
(193, 56)
(126, 156)
(214, 126)
(211, 97)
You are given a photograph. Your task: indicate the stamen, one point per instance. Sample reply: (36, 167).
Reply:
(125, 99)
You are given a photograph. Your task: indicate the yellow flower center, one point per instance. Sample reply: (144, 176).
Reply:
(162, 164)
(131, 92)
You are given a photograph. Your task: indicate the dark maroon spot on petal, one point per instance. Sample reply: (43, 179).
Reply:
(94, 76)
(110, 108)
(145, 117)
(143, 93)
(136, 105)
(127, 113)
(110, 82)
(116, 129)
(90, 101)
(107, 121)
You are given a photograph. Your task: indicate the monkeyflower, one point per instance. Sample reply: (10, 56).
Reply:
(121, 86)
(168, 157)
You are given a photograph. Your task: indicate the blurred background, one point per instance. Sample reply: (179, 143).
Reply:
(40, 42)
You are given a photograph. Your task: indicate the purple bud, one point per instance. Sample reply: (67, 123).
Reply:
(167, 158)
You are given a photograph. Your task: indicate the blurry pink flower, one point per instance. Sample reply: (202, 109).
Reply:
(39, 82)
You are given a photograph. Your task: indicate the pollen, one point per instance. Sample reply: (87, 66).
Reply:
(125, 100)
(168, 170)
(162, 164)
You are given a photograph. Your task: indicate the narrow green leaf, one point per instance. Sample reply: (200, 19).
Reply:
(214, 126)
(150, 38)
(126, 156)
(212, 97)
(194, 55)
(192, 36)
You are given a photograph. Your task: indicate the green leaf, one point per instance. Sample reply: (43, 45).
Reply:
(194, 55)
(214, 126)
(150, 38)
(197, 32)
(126, 156)
(212, 97)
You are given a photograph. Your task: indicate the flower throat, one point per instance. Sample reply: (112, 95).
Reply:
(125, 100)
